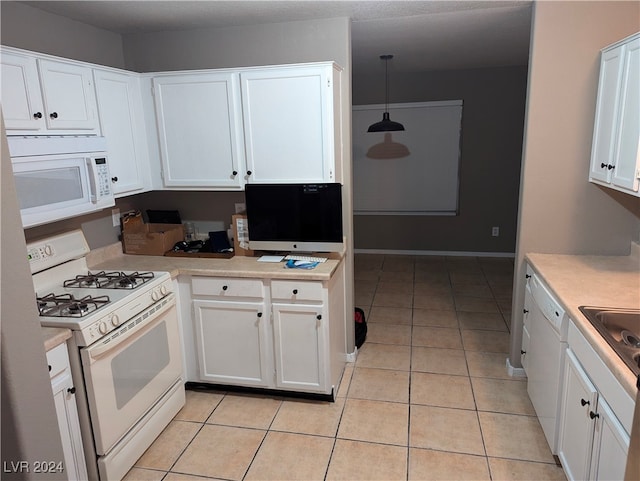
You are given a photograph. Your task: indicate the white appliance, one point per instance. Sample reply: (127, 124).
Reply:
(548, 342)
(125, 352)
(60, 177)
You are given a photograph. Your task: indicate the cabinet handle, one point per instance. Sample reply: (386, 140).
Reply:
(527, 276)
(522, 352)
(259, 314)
(72, 390)
(525, 311)
(593, 415)
(249, 172)
(49, 367)
(584, 402)
(609, 167)
(235, 172)
(319, 317)
(603, 165)
(53, 115)
(37, 115)
(224, 288)
(114, 179)
(295, 291)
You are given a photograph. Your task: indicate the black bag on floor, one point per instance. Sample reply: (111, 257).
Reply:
(361, 327)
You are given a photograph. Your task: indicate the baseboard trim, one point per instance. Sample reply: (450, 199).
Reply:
(515, 371)
(435, 253)
(352, 356)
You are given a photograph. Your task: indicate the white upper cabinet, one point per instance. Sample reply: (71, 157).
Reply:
(289, 124)
(122, 123)
(199, 122)
(53, 98)
(21, 98)
(615, 160)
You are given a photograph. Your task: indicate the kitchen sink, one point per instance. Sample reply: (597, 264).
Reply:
(621, 329)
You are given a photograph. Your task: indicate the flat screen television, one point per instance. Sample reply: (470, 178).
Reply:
(295, 217)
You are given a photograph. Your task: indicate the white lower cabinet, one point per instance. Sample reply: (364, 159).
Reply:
(232, 342)
(277, 334)
(67, 413)
(594, 438)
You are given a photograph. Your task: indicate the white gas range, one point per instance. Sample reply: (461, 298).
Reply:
(124, 354)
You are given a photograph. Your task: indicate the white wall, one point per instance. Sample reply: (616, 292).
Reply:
(29, 28)
(560, 211)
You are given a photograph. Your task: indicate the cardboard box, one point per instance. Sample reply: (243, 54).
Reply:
(240, 235)
(149, 239)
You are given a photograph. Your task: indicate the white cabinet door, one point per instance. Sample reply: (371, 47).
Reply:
(576, 423)
(288, 124)
(300, 333)
(233, 342)
(626, 161)
(611, 445)
(122, 123)
(69, 96)
(22, 106)
(602, 150)
(200, 130)
(67, 413)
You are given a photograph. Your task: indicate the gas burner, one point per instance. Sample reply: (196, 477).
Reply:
(66, 305)
(110, 280)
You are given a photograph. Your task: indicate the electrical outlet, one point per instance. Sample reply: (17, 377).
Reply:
(495, 231)
(115, 217)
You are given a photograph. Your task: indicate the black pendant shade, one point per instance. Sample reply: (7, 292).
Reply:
(386, 124)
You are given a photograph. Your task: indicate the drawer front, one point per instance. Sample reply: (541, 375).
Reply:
(58, 360)
(224, 287)
(296, 291)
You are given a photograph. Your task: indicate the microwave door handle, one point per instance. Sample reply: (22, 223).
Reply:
(99, 351)
(93, 180)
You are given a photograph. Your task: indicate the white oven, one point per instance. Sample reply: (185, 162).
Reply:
(60, 177)
(125, 352)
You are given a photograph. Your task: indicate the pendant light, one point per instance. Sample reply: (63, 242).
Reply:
(386, 124)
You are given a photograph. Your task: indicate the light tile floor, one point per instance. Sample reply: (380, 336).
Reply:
(427, 399)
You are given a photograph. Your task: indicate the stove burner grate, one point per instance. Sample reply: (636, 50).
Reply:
(110, 280)
(66, 305)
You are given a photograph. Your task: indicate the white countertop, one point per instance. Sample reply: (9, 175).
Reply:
(602, 281)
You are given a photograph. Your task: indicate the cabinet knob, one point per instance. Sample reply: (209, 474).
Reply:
(114, 179)
(235, 172)
(249, 172)
(522, 352)
(49, 367)
(259, 314)
(72, 390)
(53, 115)
(525, 311)
(224, 288)
(603, 165)
(37, 115)
(593, 415)
(584, 402)
(295, 291)
(319, 316)
(609, 167)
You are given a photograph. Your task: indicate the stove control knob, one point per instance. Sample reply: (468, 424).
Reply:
(115, 320)
(102, 327)
(163, 290)
(154, 295)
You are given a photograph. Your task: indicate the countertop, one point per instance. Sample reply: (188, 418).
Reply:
(111, 257)
(54, 336)
(602, 281)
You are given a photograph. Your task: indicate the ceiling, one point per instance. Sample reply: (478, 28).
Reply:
(422, 35)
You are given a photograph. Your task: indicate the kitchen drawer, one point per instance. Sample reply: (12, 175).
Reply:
(58, 359)
(224, 287)
(296, 291)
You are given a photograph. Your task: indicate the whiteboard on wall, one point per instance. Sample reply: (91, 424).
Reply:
(387, 181)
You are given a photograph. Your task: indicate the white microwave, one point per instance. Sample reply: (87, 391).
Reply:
(60, 177)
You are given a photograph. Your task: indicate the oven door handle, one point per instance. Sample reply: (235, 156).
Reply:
(95, 353)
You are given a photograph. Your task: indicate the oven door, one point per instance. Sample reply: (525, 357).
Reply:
(128, 372)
